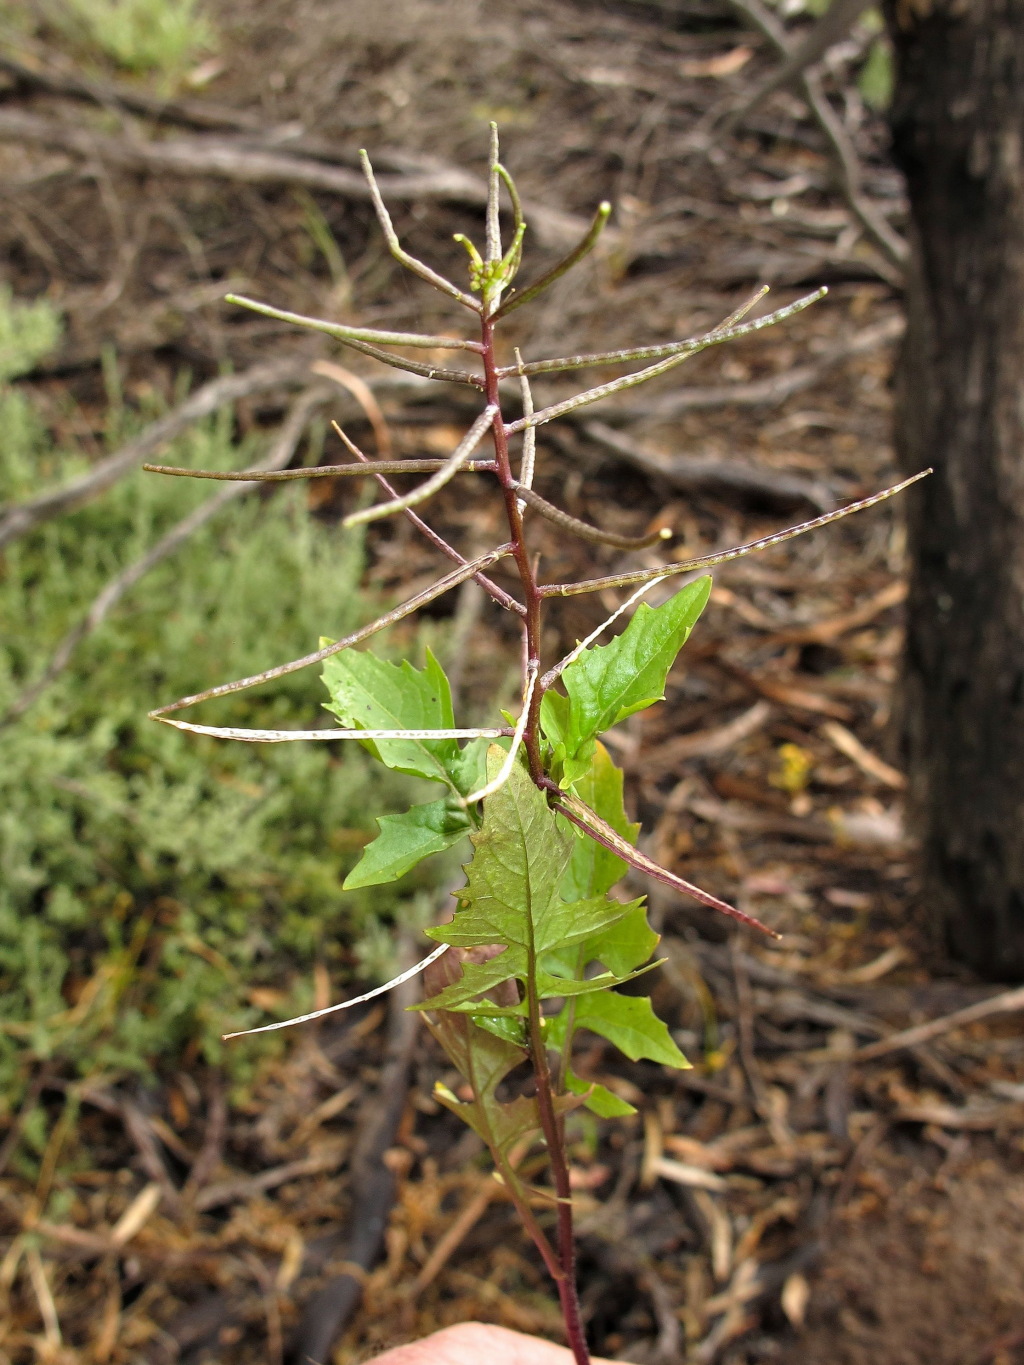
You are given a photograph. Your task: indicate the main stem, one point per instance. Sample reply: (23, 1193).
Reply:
(551, 1124)
(532, 598)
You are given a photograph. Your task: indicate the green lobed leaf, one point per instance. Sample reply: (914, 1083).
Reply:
(554, 717)
(499, 1125)
(465, 995)
(506, 1026)
(484, 1054)
(368, 693)
(469, 771)
(622, 946)
(609, 682)
(484, 1060)
(481, 1057)
(598, 1098)
(512, 897)
(594, 869)
(563, 924)
(552, 987)
(476, 979)
(511, 894)
(576, 922)
(405, 840)
(625, 945)
(568, 762)
(628, 1021)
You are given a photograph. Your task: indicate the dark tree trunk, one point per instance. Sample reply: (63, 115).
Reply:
(958, 130)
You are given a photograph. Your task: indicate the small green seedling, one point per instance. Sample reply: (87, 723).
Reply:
(537, 944)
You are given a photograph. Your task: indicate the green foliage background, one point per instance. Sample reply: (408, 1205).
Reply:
(139, 36)
(149, 880)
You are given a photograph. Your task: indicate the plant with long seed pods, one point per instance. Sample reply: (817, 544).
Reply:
(537, 944)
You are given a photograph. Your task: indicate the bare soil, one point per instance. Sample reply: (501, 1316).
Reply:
(934, 1275)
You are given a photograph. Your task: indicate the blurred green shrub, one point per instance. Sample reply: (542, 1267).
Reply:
(146, 35)
(875, 78)
(28, 331)
(874, 74)
(157, 888)
(160, 36)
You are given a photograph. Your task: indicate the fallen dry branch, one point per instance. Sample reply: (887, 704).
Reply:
(847, 743)
(752, 1283)
(145, 328)
(51, 76)
(245, 1188)
(832, 627)
(794, 695)
(885, 238)
(1007, 1002)
(691, 475)
(19, 518)
(239, 161)
(682, 1173)
(718, 739)
(975, 1117)
(211, 1153)
(830, 28)
(457, 1233)
(734, 816)
(488, 1189)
